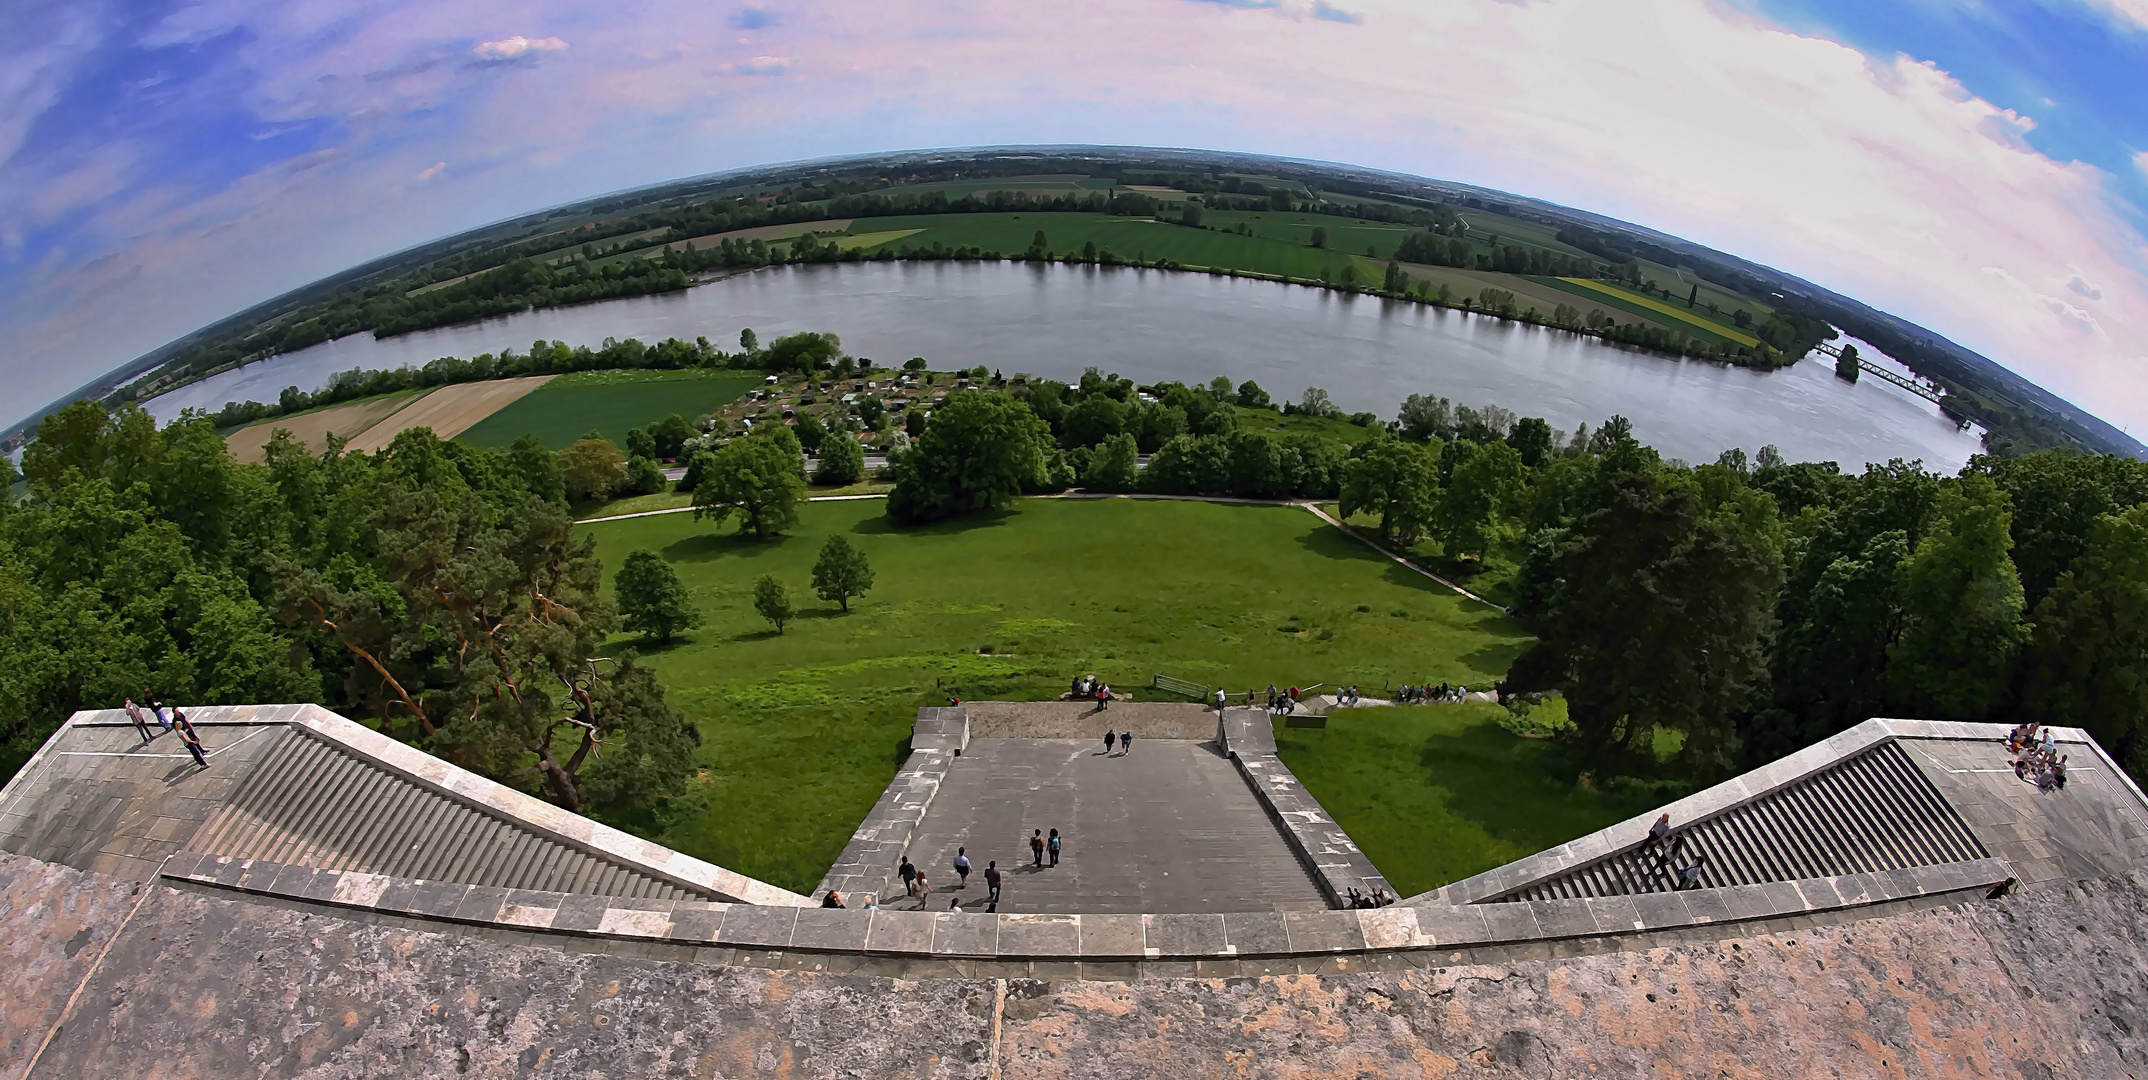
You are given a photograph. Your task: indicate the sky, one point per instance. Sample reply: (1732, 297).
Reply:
(1976, 166)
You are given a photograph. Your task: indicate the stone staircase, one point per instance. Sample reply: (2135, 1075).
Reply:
(1870, 813)
(310, 802)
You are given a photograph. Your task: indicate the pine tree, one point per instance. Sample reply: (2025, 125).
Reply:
(841, 572)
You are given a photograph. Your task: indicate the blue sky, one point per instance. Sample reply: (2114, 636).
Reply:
(1981, 168)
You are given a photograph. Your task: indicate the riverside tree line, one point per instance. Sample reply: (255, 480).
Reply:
(437, 591)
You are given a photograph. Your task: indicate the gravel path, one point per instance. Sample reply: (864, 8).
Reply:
(1080, 720)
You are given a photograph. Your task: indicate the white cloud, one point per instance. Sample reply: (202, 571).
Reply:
(2140, 161)
(764, 65)
(428, 172)
(517, 47)
(2126, 15)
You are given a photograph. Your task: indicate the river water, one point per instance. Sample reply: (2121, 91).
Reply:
(1055, 320)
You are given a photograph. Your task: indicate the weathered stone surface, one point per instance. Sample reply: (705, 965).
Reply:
(2049, 983)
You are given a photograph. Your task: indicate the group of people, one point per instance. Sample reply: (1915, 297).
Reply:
(1279, 701)
(2036, 758)
(1422, 695)
(1091, 688)
(916, 885)
(188, 737)
(1665, 847)
(1125, 740)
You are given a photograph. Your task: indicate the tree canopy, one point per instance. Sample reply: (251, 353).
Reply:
(981, 450)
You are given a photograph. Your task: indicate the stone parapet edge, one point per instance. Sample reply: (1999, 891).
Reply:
(1323, 846)
(869, 860)
(948, 935)
(1713, 801)
(454, 782)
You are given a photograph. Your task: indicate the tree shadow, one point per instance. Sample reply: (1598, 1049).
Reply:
(1333, 543)
(708, 547)
(756, 635)
(984, 519)
(1497, 657)
(1504, 785)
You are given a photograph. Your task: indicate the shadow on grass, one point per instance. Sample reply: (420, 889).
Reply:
(883, 524)
(1514, 788)
(1333, 543)
(757, 635)
(708, 547)
(1496, 657)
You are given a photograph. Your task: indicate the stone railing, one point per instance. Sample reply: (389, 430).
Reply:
(1326, 850)
(876, 848)
(951, 935)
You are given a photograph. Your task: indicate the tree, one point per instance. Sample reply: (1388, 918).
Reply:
(1114, 466)
(1961, 608)
(748, 342)
(671, 434)
(980, 451)
(592, 468)
(841, 461)
(1466, 520)
(538, 467)
(644, 477)
(841, 572)
(1397, 480)
(1251, 396)
(1190, 214)
(651, 598)
(760, 477)
(2087, 658)
(1659, 619)
(1095, 419)
(772, 601)
(1320, 236)
(640, 443)
(1315, 402)
(1532, 439)
(1846, 366)
(805, 351)
(1425, 417)
(810, 431)
(913, 422)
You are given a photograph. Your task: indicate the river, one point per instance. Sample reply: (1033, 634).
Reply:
(1055, 320)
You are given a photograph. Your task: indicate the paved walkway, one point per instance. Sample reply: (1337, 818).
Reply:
(1171, 827)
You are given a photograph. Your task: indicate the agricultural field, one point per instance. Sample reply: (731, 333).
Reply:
(1044, 186)
(1436, 793)
(801, 731)
(1509, 230)
(1128, 238)
(1675, 315)
(608, 402)
(312, 427)
(449, 410)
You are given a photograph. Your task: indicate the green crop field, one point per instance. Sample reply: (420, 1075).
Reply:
(801, 732)
(1128, 237)
(1606, 295)
(1436, 793)
(608, 402)
(1484, 226)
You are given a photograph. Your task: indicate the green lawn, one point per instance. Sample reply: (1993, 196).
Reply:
(1336, 428)
(1436, 793)
(609, 402)
(802, 732)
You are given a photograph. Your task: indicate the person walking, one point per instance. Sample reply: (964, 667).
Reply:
(1052, 845)
(955, 904)
(1036, 848)
(833, 899)
(909, 877)
(1689, 874)
(1103, 696)
(134, 713)
(1126, 743)
(1221, 698)
(185, 728)
(992, 882)
(962, 868)
(1111, 739)
(924, 889)
(1659, 835)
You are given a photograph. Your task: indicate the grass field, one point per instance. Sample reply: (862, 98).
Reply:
(1436, 793)
(1633, 303)
(449, 410)
(802, 731)
(608, 402)
(1334, 428)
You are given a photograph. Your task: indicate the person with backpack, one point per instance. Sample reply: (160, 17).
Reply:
(992, 883)
(1052, 845)
(909, 876)
(1126, 743)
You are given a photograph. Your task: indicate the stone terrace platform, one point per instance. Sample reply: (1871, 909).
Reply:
(1171, 827)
